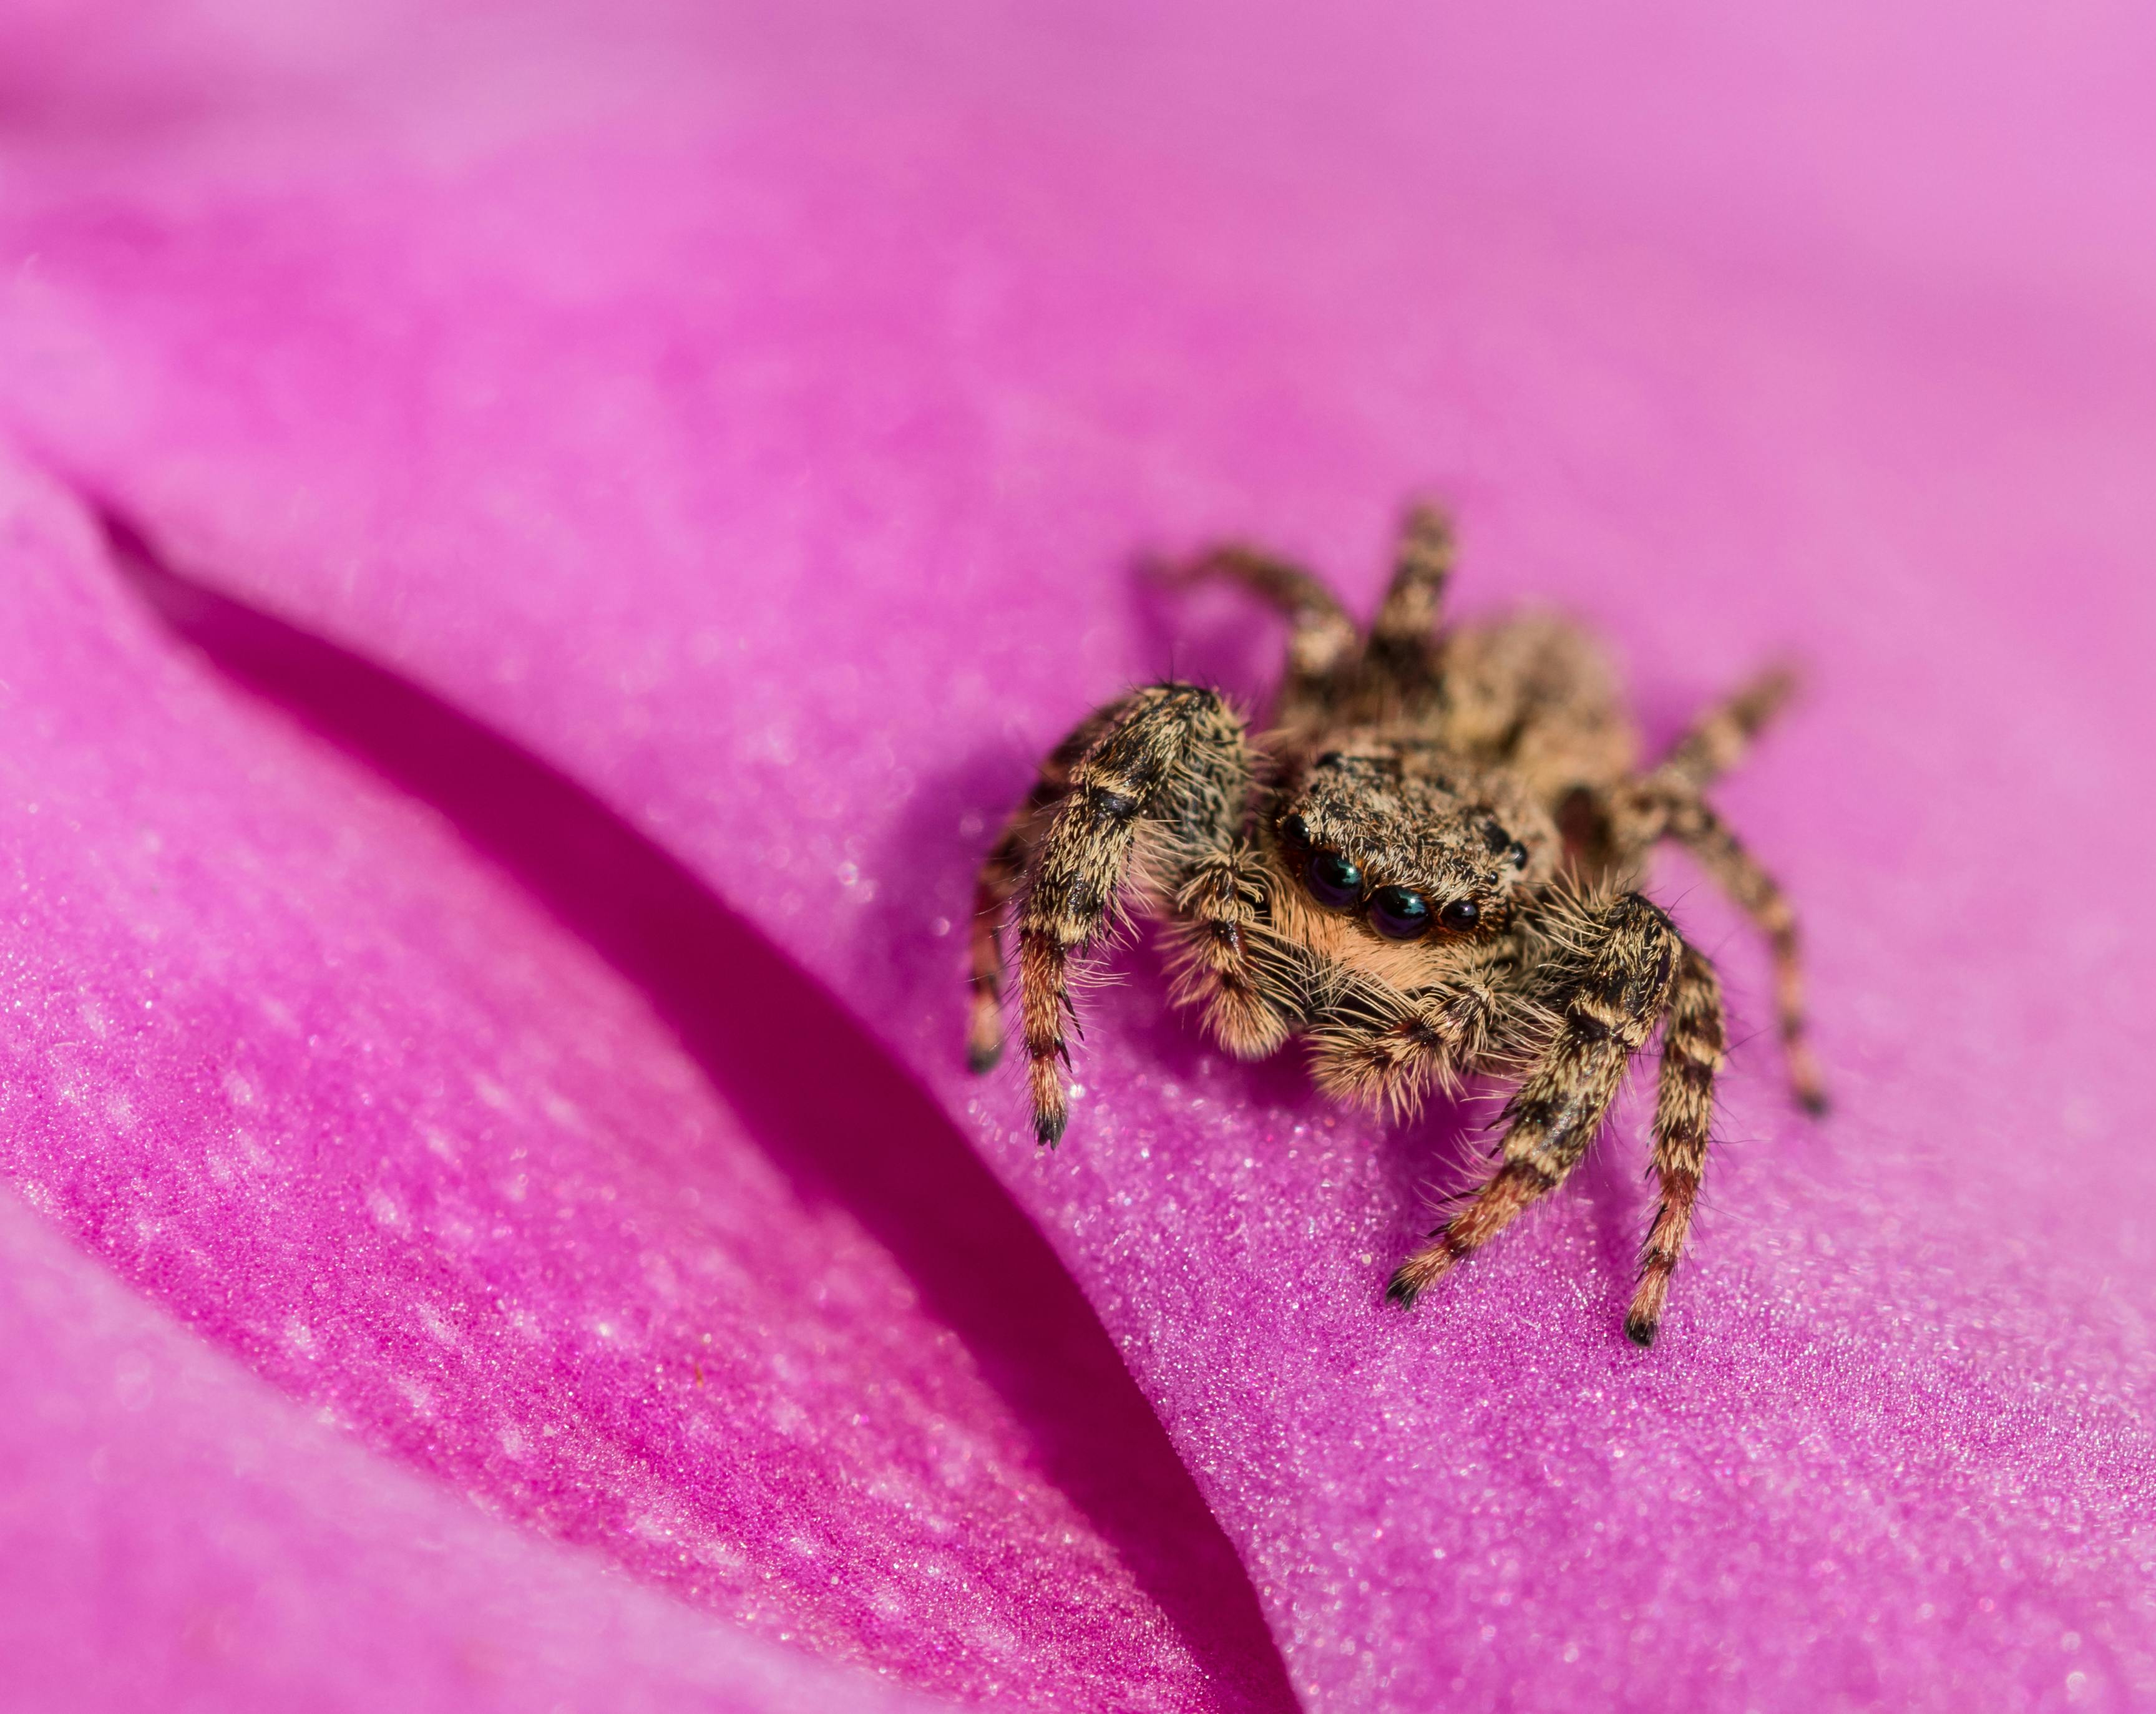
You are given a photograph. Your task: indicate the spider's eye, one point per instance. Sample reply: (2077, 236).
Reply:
(1398, 914)
(1333, 880)
(1459, 916)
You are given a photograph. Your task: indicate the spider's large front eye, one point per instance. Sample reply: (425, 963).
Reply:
(1459, 916)
(1398, 914)
(1333, 880)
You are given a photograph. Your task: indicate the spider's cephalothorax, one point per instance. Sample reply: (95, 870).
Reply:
(1426, 869)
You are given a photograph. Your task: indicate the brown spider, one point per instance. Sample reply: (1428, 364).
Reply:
(1427, 868)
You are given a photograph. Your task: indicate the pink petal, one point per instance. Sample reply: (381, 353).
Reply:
(179, 1537)
(769, 456)
(572, 1231)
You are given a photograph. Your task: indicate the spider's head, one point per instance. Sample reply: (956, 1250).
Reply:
(1386, 847)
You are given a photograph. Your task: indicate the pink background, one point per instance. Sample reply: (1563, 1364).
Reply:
(497, 1216)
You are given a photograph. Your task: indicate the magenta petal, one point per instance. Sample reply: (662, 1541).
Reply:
(773, 470)
(568, 1234)
(178, 1537)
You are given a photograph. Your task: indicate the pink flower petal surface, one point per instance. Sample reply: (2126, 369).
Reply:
(179, 1537)
(305, 1069)
(769, 454)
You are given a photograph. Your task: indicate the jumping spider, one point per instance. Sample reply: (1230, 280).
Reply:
(1427, 867)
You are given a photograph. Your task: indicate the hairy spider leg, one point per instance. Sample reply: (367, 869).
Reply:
(1665, 803)
(1323, 645)
(1692, 1044)
(1607, 1007)
(1717, 741)
(1401, 657)
(1696, 826)
(1004, 872)
(1168, 783)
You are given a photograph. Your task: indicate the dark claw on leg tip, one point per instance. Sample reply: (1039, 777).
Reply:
(1642, 1332)
(980, 1059)
(1049, 1129)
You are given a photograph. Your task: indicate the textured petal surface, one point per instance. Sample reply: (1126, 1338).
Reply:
(770, 454)
(179, 1537)
(544, 1214)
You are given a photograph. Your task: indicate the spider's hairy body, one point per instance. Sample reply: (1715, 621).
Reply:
(1428, 868)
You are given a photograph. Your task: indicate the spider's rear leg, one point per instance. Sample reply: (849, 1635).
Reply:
(1172, 768)
(1401, 657)
(1684, 1107)
(1323, 646)
(1660, 806)
(1740, 874)
(1607, 1007)
(1717, 741)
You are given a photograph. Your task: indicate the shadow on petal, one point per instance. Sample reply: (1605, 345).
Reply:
(831, 1110)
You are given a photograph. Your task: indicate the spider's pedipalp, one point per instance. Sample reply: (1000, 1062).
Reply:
(1385, 1048)
(1692, 1043)
(1227, 964)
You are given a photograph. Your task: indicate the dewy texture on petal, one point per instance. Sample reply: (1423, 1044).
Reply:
(771, 457)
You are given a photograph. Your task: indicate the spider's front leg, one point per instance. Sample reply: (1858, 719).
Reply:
(1607, 1000)
(1684, 1107)
(1163, 786)
(1002, 874)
